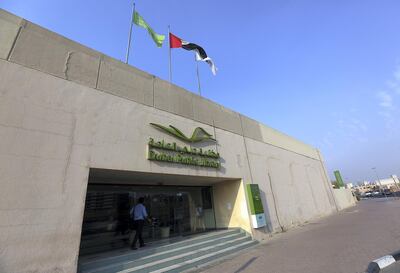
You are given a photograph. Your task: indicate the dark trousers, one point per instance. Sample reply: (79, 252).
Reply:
(139, 228)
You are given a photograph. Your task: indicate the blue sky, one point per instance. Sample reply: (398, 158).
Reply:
(325, 72)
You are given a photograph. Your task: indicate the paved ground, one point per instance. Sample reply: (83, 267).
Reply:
(395, 268)
(343, 243)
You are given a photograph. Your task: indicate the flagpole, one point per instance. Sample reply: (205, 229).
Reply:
(198, 74)
(130, 34)
(169, 48)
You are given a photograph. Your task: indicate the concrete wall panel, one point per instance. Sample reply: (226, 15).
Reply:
(9, 27)
(259, 162)
(81, 68)
(319, 191)
(251, 128)
(308, 207)
(327, 184)
(216, 115)
(204, 110)
(285, 194)
(40, 235)
(233, 155)
(230, 205)
(125, 81)
(279, 139)
(257, 131)
(344, 198)
(228, 120)
(293, 196)
(48, 52)
(38, 210)
(173, 99)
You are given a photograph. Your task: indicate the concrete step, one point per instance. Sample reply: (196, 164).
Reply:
(181, 260)
(167, 258)
(174, 256)
(107, 258)
(197, 262)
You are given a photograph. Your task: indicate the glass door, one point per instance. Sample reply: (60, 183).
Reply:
(173, 210)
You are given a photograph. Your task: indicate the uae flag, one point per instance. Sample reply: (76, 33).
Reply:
(201, 55)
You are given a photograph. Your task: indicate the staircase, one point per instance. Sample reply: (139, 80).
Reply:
(178, 256)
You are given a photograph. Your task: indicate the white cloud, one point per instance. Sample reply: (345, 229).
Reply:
(359, 125)
(392, 84)
(396, 73)
(362, 139)
(385, 114)
(385, 100)
(327, 142)
(352, 128)
(395, 84)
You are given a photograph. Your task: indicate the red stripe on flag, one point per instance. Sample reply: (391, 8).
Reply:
(174, 41)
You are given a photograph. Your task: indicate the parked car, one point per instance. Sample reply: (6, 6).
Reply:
(387, 192)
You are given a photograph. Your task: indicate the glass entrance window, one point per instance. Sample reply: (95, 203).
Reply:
(173, 211)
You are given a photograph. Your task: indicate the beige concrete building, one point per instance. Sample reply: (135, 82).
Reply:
(79, 146)
(391, 183)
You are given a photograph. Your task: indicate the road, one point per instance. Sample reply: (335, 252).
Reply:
(343, 243)
(395, 268)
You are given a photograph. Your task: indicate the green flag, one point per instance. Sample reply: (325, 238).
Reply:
(139, 21)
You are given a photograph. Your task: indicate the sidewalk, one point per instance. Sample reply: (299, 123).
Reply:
(343, 243)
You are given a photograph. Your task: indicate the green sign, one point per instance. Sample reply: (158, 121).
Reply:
(255, 202)
(163, 145)
(174, 153)
(339, 180)
(199, 134)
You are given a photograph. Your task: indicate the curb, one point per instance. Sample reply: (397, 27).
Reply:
(377, 265)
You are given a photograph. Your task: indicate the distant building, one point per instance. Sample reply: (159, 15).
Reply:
(364, 187)
(349, 185)
(391, 182)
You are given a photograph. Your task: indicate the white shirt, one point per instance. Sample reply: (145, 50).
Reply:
(140, 212)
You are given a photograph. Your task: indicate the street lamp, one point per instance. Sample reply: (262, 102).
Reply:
(379, 181)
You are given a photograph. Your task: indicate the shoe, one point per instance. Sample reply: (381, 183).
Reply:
(143, 245)
(133, 248)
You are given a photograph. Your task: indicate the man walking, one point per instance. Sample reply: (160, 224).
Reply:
(139, 214)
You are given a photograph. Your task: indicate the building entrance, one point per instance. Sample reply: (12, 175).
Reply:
(173, 211)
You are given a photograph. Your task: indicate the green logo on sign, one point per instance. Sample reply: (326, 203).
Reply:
(198, 135)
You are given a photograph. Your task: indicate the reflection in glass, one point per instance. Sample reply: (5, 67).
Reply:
(174, 211)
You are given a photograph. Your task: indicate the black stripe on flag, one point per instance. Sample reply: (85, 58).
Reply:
(201, 55)
(192, 46)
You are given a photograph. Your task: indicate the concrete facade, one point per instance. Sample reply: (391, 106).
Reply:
(65, 109)
(344, 198)
(391, 182)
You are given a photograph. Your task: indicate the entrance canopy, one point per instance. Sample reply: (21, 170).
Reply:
(178, 205)
(107, 176)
